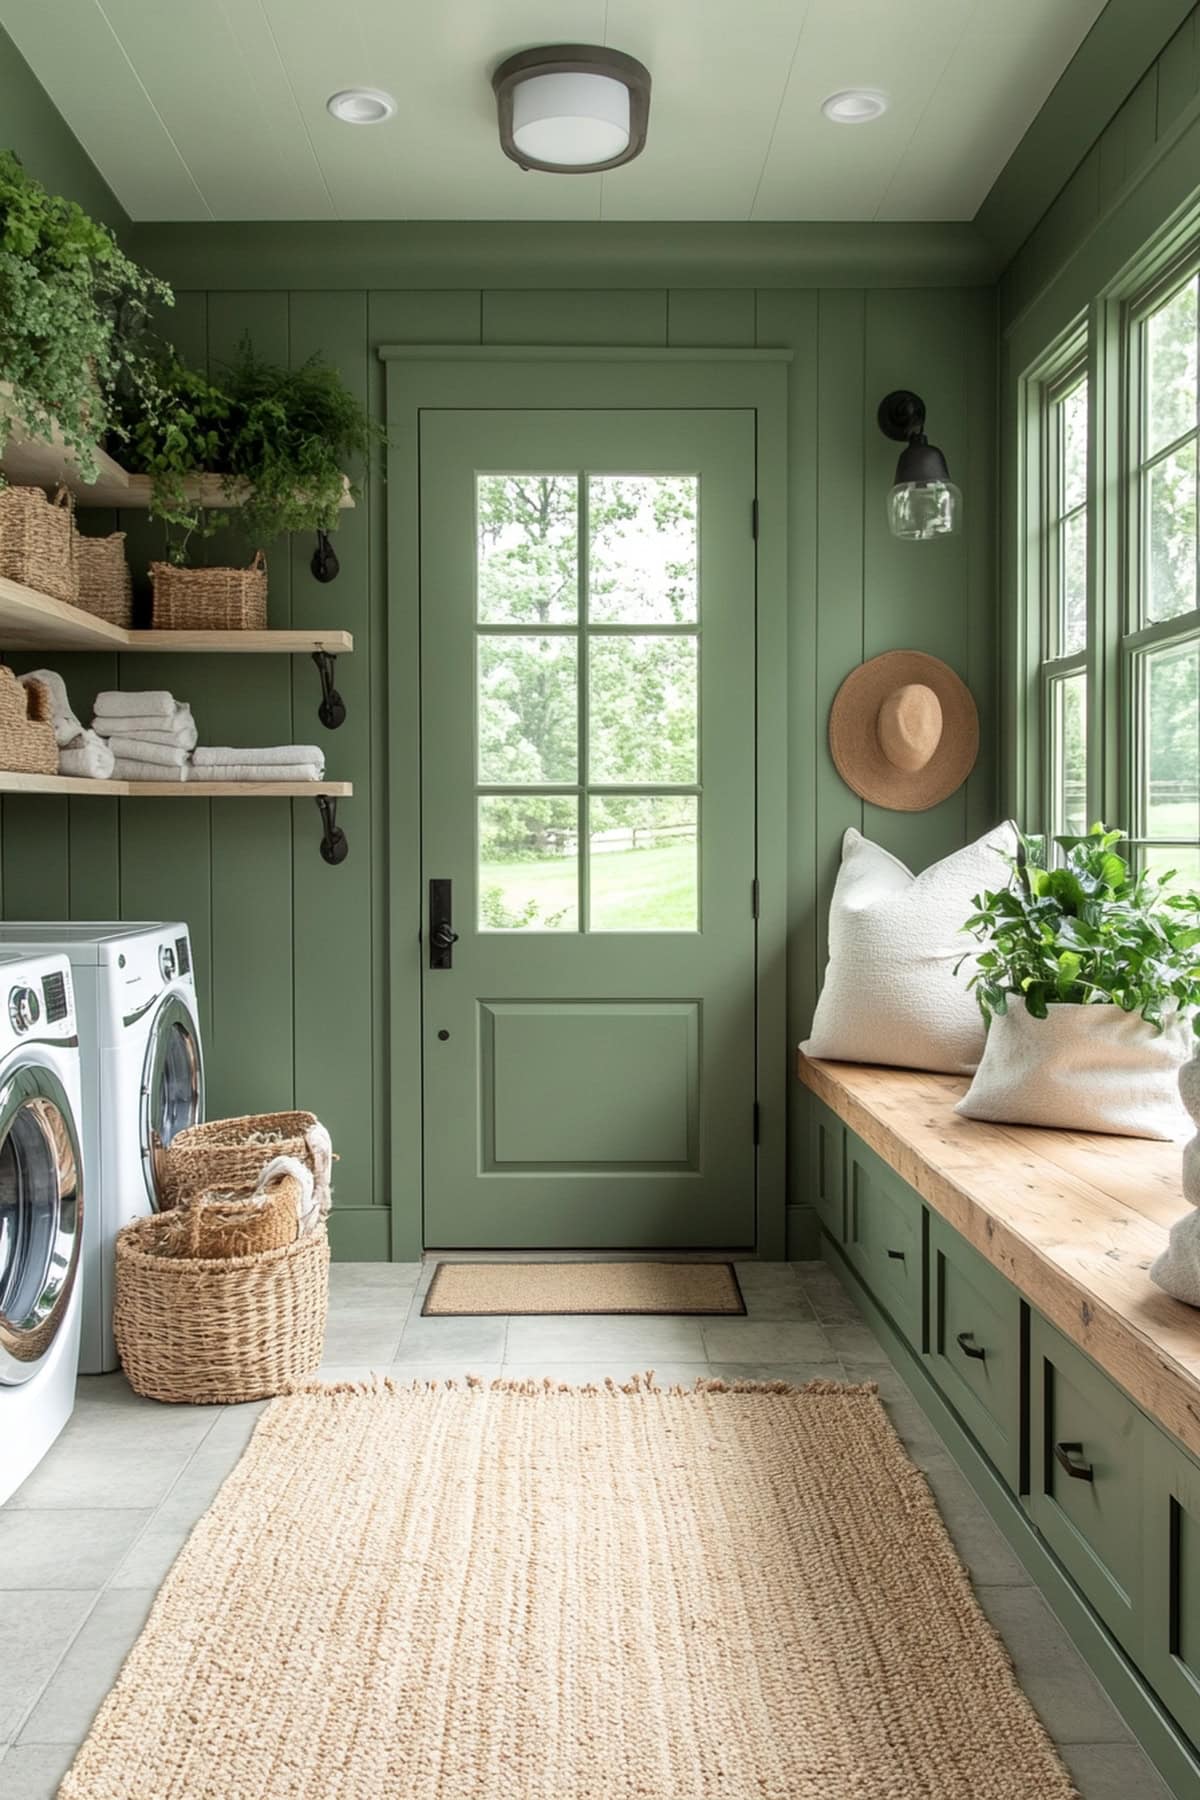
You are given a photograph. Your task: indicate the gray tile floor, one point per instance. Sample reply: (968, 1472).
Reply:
(86, 1541)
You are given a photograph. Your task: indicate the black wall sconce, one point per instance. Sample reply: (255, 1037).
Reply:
(923, 502)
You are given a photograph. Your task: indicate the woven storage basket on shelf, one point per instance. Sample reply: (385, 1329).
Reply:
(216, 1331)
(232, 1153)
(210, 599)
(37, 541)
(233, 1223)
(27, 745)
(105, 584)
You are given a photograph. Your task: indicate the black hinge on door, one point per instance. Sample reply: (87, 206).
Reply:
(757, 1123)
(754, 898)
(754, 518)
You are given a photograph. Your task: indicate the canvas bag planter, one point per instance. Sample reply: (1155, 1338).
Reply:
(1082, 1068)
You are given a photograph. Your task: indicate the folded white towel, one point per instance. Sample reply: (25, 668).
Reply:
(177, 729)
(254, 772)
(279, 754)
(88, 756)
(116, 703)
(170, 756)
(129, 768)
(66, 726)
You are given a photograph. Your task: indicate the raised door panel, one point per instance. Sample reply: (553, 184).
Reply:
(974, 1350)
(1171, 1641)
(828, 1141)
(884, 1237)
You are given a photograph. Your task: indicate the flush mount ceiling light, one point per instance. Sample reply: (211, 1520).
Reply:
(855, 106)
(923, 502)
(572, 109)
(361, 106)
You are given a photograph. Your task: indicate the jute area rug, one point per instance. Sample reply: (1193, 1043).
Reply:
(483, 1288)
(529, 1592)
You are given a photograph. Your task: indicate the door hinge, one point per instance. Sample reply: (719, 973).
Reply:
(754, 518)
(754, 898)
(757, 1123)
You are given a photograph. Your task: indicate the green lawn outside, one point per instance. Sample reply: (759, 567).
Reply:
(632, 890)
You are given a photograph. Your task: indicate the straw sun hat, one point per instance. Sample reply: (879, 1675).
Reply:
(903, 731)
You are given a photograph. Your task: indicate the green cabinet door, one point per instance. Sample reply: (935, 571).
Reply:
(1086, 1485)
(974, 1351)
(884, 1237)
(1171, 1642)
(588, 827)
(828, 1140)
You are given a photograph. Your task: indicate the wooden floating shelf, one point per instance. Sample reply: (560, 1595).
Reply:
(33, 621)
(77, 786)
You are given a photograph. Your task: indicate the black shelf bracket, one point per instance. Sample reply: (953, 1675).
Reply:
(335, 847)
(332, 710)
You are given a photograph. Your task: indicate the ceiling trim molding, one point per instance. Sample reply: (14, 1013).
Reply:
(522, 255)
(1126, 39)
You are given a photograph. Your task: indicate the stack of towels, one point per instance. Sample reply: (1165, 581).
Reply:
(274, 762)
(81, 753)
(151, 734)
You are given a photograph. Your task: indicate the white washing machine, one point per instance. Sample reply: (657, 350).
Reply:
(142, 1076)
(41, 1210)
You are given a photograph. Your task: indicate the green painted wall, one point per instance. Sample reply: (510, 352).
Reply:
(31, 125)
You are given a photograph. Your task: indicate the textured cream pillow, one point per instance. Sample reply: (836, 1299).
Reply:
(890, 993)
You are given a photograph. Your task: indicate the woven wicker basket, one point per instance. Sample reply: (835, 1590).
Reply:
(105, 584)
(210, 599)
(237, 1223)
(232, 1153)
(218, 1331)
(37, 541)
(27, 745)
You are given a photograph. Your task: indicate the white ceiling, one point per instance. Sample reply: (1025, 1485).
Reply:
(215, 109)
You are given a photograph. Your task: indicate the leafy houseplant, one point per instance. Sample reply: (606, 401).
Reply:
(73, 317)
(1089, 980)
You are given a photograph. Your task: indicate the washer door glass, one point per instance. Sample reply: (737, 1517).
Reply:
(172, 1085)
(41, 1217)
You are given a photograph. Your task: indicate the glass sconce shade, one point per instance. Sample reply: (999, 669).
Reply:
(924, 509)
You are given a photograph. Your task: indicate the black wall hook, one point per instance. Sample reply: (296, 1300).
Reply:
(332, 710)
(335, 846)
(325, 565)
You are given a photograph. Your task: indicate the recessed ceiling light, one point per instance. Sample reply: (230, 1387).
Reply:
(855, 106)
(572, 108)
(361, 106)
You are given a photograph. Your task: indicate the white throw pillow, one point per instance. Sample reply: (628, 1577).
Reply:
(890, 993)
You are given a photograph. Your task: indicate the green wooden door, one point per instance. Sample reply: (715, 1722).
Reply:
(588, 793)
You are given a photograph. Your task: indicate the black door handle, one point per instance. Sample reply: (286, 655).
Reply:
(896, 1255)
(1066, 1456)
(442, 935)
(968, 1346)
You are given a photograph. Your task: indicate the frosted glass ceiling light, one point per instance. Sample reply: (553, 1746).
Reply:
(855, 106)
(923, 502)
(572, 108)
(361, 106)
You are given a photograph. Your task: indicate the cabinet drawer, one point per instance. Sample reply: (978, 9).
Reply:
(884, 1237)
(1171, 1638)
(974, 1350)
(829, 1169)
(1092, 1517)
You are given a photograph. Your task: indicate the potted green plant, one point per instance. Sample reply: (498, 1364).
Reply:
(73, 319)
(1089, 984)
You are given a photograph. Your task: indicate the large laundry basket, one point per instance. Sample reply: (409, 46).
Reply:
(232, 1153)
(215, 1332)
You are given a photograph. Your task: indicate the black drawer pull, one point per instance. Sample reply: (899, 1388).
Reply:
(896, 1255)
(968, 1346)
(1065, 1455)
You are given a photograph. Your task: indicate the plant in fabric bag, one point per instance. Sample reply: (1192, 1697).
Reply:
(1087, 933)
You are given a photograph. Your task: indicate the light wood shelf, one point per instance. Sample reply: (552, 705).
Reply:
(33, 621)
(77, 786)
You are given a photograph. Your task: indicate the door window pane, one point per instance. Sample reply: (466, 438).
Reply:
(1171, 370)
(643, 870)
(1068, 726)
(1171, 750)
(528, 709)
(642, 549)
(1171, 539)
(527, 549)
(528, 863)
(642, 709)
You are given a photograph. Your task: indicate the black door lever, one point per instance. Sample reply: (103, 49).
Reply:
(442, 935)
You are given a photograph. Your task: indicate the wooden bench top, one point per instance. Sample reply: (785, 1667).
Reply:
(1074, 1219)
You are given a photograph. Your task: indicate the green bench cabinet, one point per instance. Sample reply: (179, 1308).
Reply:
(1171, 1637)
(884, 1237)
(974, 1350)
(829, 1170)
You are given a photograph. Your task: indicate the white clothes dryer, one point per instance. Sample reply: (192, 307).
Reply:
(42, 1210)
(142, 1073)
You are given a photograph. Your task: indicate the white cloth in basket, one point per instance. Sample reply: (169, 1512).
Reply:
(309, 1211)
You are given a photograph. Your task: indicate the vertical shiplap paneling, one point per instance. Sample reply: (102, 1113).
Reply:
(575, 316)
(712, 318)
(980, 526)
(340, 967)
(1178, 74)
(251, 1047)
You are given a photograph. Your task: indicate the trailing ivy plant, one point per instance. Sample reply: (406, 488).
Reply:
(1087, 933)
(181, 432)
(73, 317)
